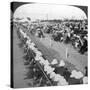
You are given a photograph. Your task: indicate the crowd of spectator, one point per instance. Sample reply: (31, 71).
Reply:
(74, 32)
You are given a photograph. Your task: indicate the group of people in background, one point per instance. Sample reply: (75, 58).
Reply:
(70, 32)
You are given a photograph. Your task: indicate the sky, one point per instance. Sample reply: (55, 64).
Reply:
(49, 11)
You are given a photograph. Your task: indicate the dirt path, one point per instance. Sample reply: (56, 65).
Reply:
(19, 68)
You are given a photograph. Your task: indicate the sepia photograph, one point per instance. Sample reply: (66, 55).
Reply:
(49, 44)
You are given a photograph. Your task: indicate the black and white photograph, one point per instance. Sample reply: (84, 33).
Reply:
(49, 44)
